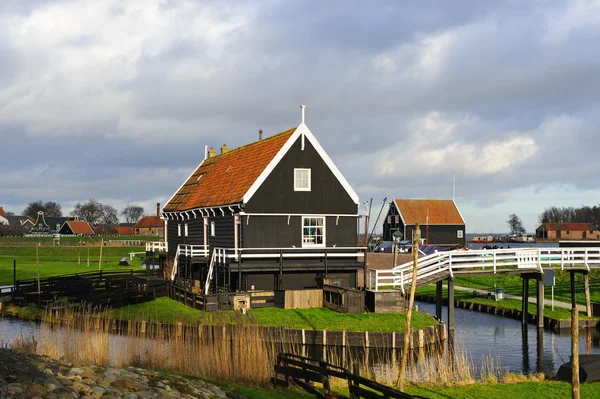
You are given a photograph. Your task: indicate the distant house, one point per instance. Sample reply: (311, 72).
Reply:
(150, 226)
(125, 229)
(440, 221)
(567, 231)
(48, 225)
(77, 228)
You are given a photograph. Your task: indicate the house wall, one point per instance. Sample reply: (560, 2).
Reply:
(275, 232)
(277, 195)
(224, 232)
(150, 231)
(442, 234)
(391, 223)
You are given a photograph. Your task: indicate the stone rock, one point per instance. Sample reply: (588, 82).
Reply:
(76, 370)
(98, 390)
(123, 384)
(146, 394)
(81, 387)
(50, 387)
(160, 384)
(130, 396)
(48, 372)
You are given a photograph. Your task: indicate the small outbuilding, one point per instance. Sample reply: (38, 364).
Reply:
(76, 228)
(567, 231)
(441, 223)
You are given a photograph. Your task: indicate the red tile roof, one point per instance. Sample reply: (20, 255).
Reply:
(149, 221)
(567, 226)
(2, 212)
(125, 230)
(79, 227)
(224, 179)
(426, 211)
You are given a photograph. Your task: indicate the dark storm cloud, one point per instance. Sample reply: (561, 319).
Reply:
(119, 104)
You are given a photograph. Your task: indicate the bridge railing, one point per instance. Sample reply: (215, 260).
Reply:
(159, 246)
(443, 264)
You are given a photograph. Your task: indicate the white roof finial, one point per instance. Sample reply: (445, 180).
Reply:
(303, 107)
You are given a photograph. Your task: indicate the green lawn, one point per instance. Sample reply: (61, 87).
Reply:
(60, 260)
(513, 285)
(169, 311)
(513, 304)
(72, 240)
(521, 390)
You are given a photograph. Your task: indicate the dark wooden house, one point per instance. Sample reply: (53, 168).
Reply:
(273, 214)
(47, 225)
(77, 228)
(440, 221)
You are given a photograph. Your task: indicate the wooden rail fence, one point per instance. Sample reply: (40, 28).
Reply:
(304, 372)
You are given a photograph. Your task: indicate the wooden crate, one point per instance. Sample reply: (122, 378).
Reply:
(299, 299)
(343, 300)
(384, 301)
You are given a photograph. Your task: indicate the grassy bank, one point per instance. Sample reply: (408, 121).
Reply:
(60, 260)
(169, 311)
(512, 284)
(509, 304)
(72, 240)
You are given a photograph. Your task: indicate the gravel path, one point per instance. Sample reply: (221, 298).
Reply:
(33, 377)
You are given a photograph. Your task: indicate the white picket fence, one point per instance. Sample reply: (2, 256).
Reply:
(446, 264)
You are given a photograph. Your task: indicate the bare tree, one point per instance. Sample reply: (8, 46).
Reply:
(50, 208)
(132, 213)
(515, 224)
(90, 211)
(109, 215)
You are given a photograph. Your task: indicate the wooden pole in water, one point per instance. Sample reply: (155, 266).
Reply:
(574, 342)
(100, 261)
(407, 331)
(574, 354)
(586, 287)
(37, 264)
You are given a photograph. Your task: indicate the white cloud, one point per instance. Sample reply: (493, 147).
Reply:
(438, 142)
(578, 15)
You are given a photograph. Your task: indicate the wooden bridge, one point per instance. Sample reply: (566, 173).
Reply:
(528, 262)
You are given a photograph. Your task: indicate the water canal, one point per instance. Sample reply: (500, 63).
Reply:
(517, 349)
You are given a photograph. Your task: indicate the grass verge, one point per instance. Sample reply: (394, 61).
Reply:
(168, 311)
(55, 261)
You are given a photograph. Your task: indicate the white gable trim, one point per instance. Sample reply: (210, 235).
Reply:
(304, 131)
(398, 209)
(461, 216)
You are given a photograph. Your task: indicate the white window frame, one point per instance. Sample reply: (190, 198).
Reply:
(307, 245)
(212, 229)
(185, 229)
(296, 188)
(179, 229)
(459, 234)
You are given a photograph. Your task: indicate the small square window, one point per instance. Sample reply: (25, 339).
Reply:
(459, 234)
(212, 229)
(301, 179)
(397, 219)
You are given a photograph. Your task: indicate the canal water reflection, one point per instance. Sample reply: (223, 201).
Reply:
(518, 348)
(479, 334)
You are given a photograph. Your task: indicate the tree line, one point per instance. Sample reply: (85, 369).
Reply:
(92, 211)
(569, 214)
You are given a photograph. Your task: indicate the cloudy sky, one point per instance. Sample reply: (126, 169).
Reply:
(115, 100)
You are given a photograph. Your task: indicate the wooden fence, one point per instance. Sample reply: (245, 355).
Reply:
(98, 288)
(304, 372)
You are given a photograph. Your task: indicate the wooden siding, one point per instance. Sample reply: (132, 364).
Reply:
(390, 227)
(274, 231)
(443, 234)
(224, 232)
(277, 195)
(195, 233)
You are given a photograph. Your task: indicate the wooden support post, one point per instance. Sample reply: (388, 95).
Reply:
(439, 286)
(574, 353)
(364, 269)
(451, 305)
(586, 287)
(573, 300)
(540, 350)
(280, 279)
(525, 299)
(540, 302)
(240, 273)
